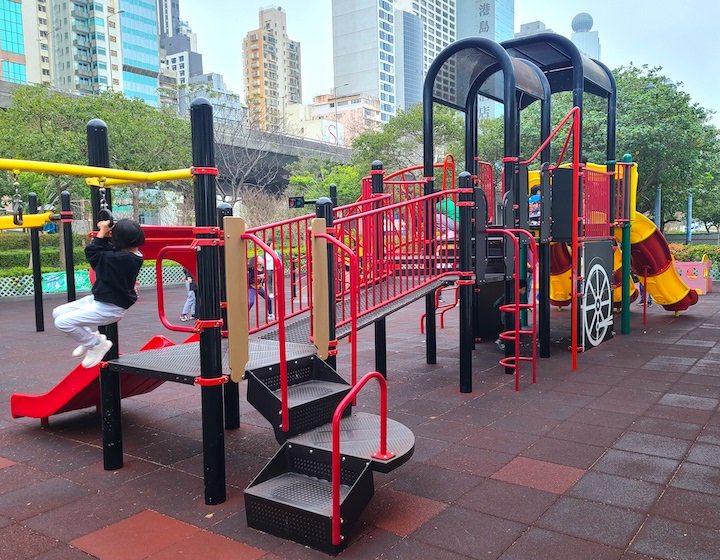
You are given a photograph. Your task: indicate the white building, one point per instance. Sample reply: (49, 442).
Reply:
(364, 55)
(587, 41)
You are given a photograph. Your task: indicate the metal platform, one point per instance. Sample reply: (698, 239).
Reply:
(360, 437)
(181, 363)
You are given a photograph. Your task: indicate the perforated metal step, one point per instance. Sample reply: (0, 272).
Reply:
(292, 496)
(360, 437)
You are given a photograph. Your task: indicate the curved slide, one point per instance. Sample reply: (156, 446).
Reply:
(81, 389)
(651, 255)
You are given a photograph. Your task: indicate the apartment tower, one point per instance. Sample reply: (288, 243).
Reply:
(271, 68)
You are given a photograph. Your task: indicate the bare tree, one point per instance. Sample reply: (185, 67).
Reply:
(260, 206)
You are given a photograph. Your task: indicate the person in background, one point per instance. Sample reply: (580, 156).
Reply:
(270, 280)
(534, 206)
(641, 289)
(188, 311)
(500, 343)
(446, 216)
(256, 279)
(116, 262)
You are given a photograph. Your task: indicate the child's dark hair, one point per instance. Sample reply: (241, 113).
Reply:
(535, 190)
(127, 233)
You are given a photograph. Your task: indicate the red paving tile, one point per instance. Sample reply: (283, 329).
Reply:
(136, 537)
(399, 512)
(648, 433)
(541, 475)
(207, 545)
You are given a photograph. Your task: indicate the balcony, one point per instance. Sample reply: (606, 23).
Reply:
(86, 73)
(81, 58)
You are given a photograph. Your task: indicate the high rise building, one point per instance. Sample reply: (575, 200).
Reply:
(138, 35)
(181, 54)
(409, 72)
(271, 68)
(12, 42)
(494, 20)
(364, 54)
(439, 18)
(585, 40)
(532, 28)
(168, 17)
(86, 51)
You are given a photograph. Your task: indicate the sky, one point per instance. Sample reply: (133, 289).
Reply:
(681, 38)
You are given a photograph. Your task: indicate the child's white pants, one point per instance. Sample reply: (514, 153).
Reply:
(80, 319)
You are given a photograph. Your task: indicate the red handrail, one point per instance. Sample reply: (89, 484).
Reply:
(575, 113)
(279, 286)
(160, 291)
(383, 454)
(354, 290)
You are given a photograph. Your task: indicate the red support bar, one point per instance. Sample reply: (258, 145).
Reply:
(204, 170)
(212, 381)
(202, 324)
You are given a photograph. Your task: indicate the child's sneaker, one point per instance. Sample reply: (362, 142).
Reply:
(500, 343)
(271, 317)
(96, 353)
(183, 318)
(81, 350)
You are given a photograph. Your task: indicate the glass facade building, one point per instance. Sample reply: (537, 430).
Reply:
(140, 51)
(12, 47)
(409, 63)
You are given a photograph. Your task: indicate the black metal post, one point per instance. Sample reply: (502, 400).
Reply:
(37, 277)
(324, 210)
(66, 218)
(231, 391)
(333, 194)
(208, 272)
(99, 156)
(467, 287)
(376, 178)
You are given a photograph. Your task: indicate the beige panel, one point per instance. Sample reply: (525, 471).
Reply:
(237, 296)
(320, 289)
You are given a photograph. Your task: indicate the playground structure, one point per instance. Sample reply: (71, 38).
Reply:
(349, 267)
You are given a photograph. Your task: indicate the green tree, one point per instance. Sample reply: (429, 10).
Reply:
(668, 134)
(43, 125)
(400, 143)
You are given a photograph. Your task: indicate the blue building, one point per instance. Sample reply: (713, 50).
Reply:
(409, 59)
(12, 50)
(140, 52)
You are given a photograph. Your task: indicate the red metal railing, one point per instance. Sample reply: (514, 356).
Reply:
(354, 265)
(388, 271)
(486, 183)
(279, 287)
(288, 240)
(596, 203)
(382, 454)
(161, 291)
(622, 192)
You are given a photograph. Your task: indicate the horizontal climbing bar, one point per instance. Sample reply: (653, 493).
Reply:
(122, 175)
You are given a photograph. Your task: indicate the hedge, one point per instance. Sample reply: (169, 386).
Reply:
(48, 257)
(18, 241)
(694, 253)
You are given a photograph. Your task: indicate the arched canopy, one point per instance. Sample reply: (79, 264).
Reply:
(567, 69)
(562, 62)
(469, 61)
(477, 66)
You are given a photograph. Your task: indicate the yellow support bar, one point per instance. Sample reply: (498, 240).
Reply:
(172, 175)
(20, 165)
(29, 221)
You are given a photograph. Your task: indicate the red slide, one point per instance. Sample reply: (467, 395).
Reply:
(81, 389)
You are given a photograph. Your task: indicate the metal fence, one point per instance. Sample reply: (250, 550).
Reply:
(16, 286)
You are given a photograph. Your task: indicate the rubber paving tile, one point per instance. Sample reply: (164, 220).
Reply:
(617, 460)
